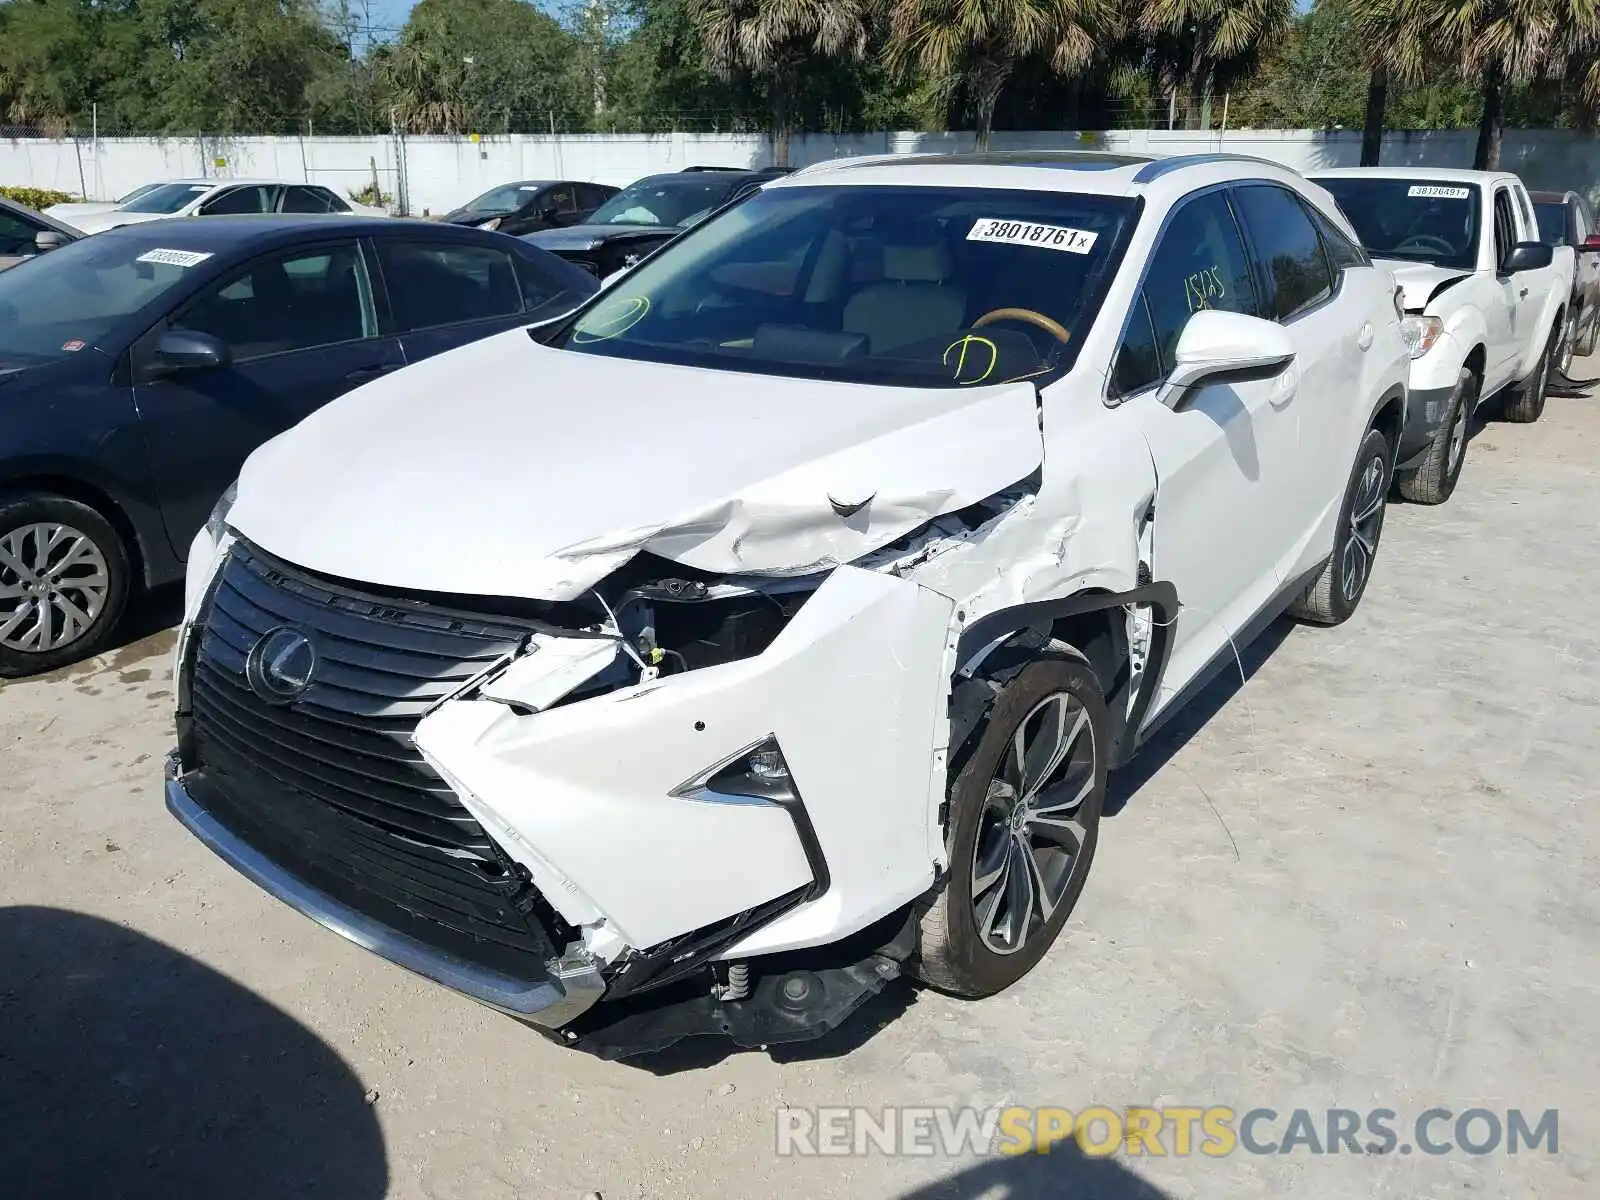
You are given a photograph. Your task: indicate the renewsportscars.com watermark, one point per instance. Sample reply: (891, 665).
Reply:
(1172, 1130)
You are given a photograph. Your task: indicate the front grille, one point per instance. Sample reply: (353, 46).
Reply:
(331, 786)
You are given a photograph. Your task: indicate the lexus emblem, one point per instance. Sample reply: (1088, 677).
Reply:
(280, 665)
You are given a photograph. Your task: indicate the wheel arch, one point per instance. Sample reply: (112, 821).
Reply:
(103, 500)
(1092, 623)
(1389, 416)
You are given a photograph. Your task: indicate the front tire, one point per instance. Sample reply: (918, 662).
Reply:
(1024, 820)
(1435, 480)
(63, 582)
(1334, 594)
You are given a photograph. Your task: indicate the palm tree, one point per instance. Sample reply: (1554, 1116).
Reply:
(1193, 42)
(774, 38)
(978, 43)
(1502, 43)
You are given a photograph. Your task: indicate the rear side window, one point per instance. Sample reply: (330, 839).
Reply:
(1341, 251)
(1288, 248)
(240, 200)
(307, 200)
(433, 285)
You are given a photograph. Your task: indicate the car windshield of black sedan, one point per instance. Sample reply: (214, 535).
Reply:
(503, 199)
(672, 200)
(62, 302)
(915, 286)
(168, 198)
(1423, 220)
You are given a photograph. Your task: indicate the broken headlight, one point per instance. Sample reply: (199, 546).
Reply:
(1420, 333)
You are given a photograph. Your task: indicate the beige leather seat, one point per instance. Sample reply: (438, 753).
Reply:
(914, 303)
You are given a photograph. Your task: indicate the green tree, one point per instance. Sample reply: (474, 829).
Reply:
(465, 66)
(1198, 46)
(977, 45)
(774, 40)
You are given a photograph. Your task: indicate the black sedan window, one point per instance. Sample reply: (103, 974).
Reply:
(58, 304)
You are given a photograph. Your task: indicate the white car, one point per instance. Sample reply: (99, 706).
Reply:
(215, 197)
(71, 211)
(772, 633)
(1485, 302)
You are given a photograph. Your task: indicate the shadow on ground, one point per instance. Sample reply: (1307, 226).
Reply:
(148, 613)
(129, 1069)
(1065, 1173)
(1123, 785)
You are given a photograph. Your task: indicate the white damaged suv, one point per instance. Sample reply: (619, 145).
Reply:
(771, 631)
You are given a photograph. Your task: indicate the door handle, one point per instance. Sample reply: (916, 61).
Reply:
(1364, 338)
(367, 374)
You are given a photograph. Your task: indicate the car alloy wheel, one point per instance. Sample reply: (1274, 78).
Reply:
(54, 585)
(1366, 520)
(1033, 828)
(1458, 429)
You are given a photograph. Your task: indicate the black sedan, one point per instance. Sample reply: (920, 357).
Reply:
(141, 366)
(1565, 219)
(646, 215)
(25, 233)
(532, 204)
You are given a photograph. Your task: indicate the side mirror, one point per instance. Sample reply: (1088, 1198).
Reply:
(1216, 347)
(49, 239)
(1528, 256)
(1590, 244)
(181, 350)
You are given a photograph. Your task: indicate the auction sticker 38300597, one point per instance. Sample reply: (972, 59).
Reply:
(1031, 233)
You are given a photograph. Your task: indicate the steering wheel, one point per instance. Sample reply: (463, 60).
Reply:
(1426, 241)
(1028, 316)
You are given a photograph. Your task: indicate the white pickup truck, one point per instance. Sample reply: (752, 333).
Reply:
(1484, 302)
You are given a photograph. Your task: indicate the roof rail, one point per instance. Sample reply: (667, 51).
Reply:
(1176, 162)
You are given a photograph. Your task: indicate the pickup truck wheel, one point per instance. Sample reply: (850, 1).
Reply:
(1569, 345)
(63, 582)
(1336, 591)
(1525, 404)
(1435, 479)
(1023, 824)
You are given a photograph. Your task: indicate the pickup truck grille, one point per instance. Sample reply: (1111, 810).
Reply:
(330, 786)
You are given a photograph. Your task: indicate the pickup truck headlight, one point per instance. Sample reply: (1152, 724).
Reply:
(1420, 333)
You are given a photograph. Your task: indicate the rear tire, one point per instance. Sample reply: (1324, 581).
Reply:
(1334, 594)
(1435, 480)
(63, 582)
(1024, 819)
(1524, 404)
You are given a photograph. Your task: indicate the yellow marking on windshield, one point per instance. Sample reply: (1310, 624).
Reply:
(963, 344)
(611, 319)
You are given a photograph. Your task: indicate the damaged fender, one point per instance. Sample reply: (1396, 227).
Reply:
(853, 689)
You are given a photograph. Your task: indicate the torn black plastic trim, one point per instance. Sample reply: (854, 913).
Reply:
(1161, 597)
(1443, 286)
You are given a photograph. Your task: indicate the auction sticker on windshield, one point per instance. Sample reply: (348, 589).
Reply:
(1031, 233)
(174, 258)
(1429, 191)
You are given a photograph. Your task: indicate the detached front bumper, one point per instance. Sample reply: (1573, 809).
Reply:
(570, 989)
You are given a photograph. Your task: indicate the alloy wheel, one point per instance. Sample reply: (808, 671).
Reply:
(1366, 516)
(54, 583)
(1031, 835)
(1458, 431)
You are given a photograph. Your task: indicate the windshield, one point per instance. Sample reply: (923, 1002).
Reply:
(1418, 219)
(166, 198)
(1552, 223)
(504, 199)
(141, 190)
(671, 200)
(914, 286)
(58, 304)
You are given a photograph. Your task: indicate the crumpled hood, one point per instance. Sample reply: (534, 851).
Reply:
(506, 468)
(1418, 281)
(586, 237)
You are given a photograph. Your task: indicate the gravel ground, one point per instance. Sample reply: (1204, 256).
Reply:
(1364, 877)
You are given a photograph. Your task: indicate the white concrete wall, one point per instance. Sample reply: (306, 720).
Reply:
(438, 173)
